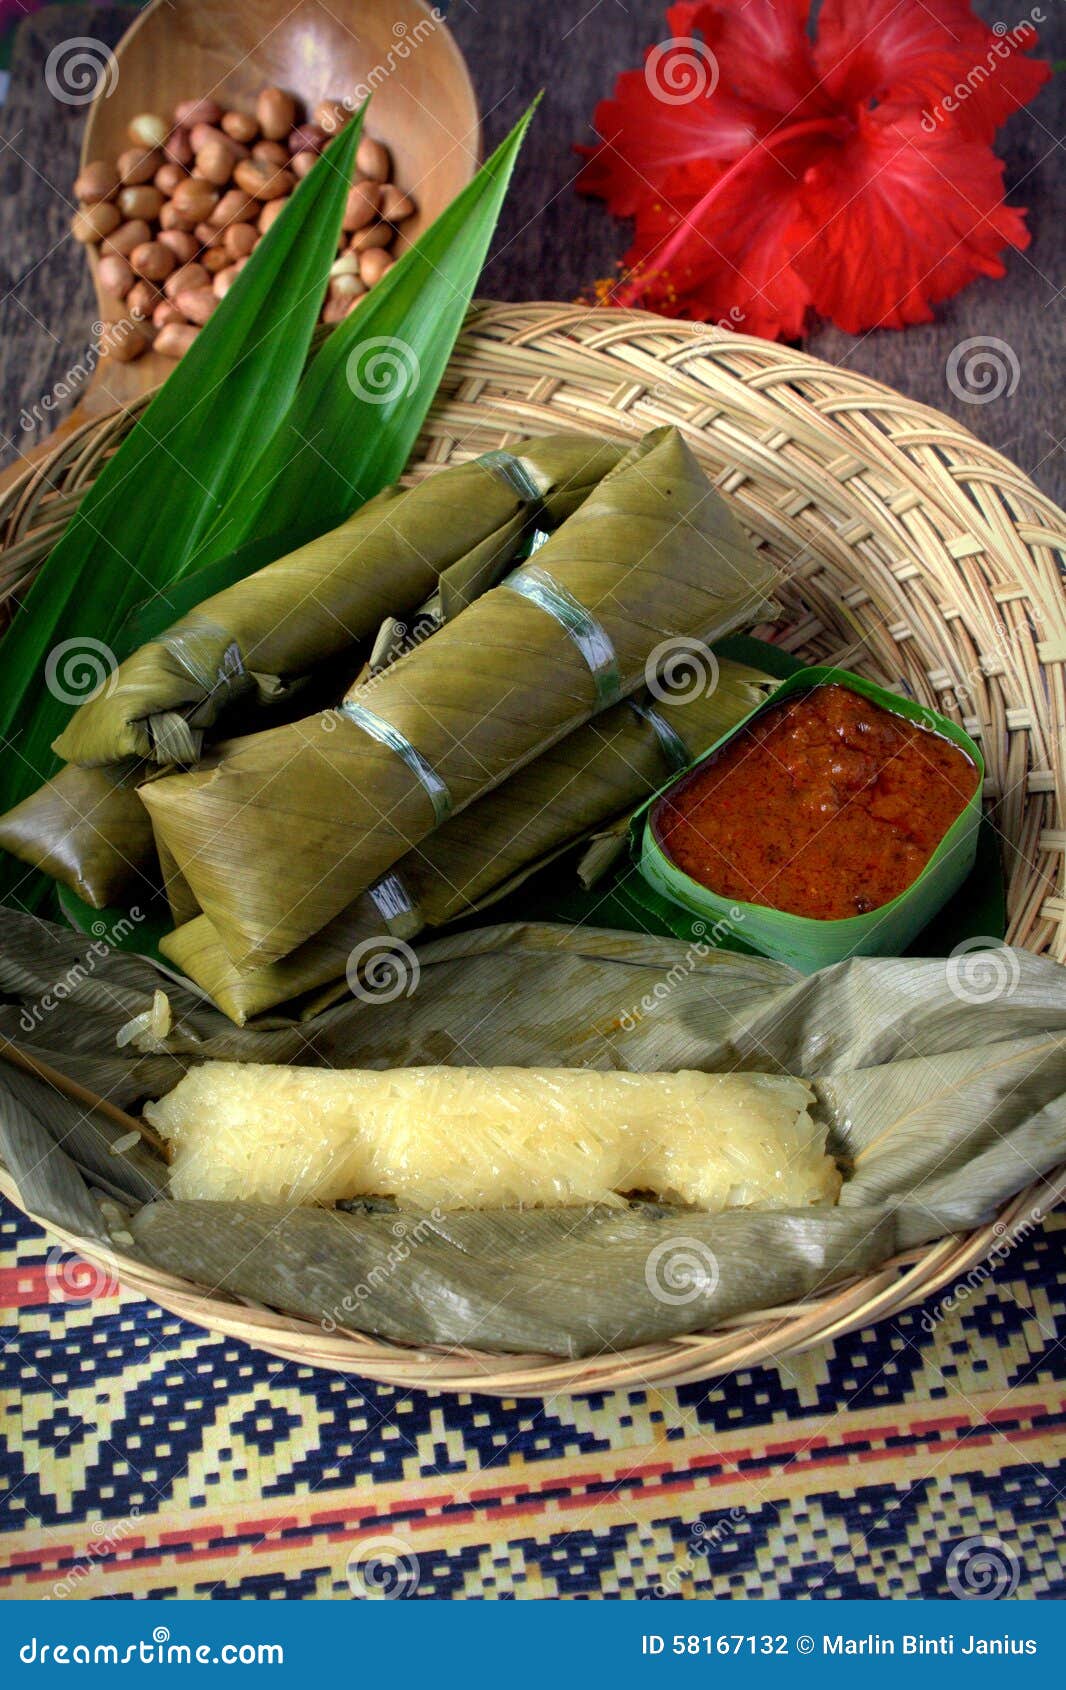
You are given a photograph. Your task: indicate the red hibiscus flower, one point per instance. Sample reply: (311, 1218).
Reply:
(772, 172)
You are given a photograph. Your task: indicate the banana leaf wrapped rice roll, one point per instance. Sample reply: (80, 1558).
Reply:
(652, 554)
(602, 769)
(252, 643)
(286, 619)
(88, 829)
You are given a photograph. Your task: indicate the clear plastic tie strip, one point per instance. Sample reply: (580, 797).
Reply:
(514, 473)
(397, 908)
(673, 746)
(590, 637)
(386, 734)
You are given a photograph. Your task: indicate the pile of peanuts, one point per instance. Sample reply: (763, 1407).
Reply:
(177, 215)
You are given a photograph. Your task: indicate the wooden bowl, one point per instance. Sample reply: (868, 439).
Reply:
(908, 550)
(422, 106)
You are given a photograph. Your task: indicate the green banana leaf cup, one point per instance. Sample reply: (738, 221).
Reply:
(804, 941)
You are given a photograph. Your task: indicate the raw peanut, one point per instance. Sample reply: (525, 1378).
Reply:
(214, 163)
(263, 181)
(331, 115)
(93, 222)
(346, 265)
(301, 163)
(205, 233)
(183, 245)
(123, 342)
(396, 206)
(214, 259)
(361, 206)
(197, 111)
(166, 312)
(167, 177)
(375, 234)
(335, 310)
(174, 339)
(307, 138)
(97, 181)
(128, 235)
(271, 152)
(153, 261)
(233, 207)
(171, 218)
(138, 164)
(148, 130)
(178, 148)
(141, 201)
(270, 211)
(346, 287)
(239, 239)
(202, 135)
(116, 275)
(373, 265)
(195, 199)
(372, 160)
(225, 279)
(142, 299)
(276, 112)
(186, 280)
(240, 126)
(196, 304)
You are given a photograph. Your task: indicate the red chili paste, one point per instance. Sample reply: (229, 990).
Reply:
(826, 805)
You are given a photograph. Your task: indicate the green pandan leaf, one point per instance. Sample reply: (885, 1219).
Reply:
(359, 409)
(142, 522)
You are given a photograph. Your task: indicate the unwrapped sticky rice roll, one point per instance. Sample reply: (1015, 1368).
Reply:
(476, 1138)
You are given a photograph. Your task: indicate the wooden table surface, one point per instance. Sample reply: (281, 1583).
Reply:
(551, 243)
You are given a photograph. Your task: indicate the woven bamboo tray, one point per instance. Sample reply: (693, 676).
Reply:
(907, 549)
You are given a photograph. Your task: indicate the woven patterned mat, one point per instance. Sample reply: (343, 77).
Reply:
(142, 1458)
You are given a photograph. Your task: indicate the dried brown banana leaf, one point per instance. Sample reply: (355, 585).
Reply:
(942, 1096)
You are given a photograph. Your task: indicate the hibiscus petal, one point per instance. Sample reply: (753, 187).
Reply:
(761, 47)
(645, 140)
(933, 53)
(732, 267)
(897, 219)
